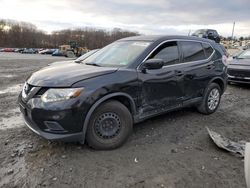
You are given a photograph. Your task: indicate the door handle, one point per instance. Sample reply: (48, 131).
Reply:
(178, 73)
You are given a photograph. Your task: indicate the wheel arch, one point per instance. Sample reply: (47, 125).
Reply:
(220, 82)
(124, 98)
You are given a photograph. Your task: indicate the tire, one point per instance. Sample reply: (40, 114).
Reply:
(210, 92)
(110, 126)
(217, 40)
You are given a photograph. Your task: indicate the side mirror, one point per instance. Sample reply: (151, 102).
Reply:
(153, 64)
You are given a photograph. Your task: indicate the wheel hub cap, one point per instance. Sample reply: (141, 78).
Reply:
(108, 125)
(213, 99)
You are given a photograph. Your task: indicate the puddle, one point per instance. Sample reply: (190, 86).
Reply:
(13, 120)
(12, 89)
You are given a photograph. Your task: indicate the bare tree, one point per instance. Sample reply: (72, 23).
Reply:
(26, 35)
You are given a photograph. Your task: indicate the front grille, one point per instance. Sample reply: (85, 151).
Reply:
(239, 73)
(29, 91)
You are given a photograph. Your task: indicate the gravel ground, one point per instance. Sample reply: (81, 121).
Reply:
(172, 150)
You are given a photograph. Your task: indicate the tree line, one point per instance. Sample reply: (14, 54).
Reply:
(15, 34)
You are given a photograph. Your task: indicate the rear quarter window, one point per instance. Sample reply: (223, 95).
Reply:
(192, 51)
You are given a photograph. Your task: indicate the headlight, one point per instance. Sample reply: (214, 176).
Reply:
(54, 95)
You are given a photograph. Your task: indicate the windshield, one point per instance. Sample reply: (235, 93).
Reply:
(117, 54)
(244, 55)
(84, 56)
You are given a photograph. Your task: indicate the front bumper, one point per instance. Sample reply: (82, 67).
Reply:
(60, 125)
(51, 136)
(243, 80)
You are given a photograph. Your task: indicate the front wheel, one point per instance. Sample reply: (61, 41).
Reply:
(110, 126)
(211, 99)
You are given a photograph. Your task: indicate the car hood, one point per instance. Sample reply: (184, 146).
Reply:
(244, 62)
(59, 63)
(240, 64)
(67, 75)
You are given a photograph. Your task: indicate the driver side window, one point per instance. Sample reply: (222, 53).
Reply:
(168, 52)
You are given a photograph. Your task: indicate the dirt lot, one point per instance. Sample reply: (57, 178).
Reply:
(172, 150)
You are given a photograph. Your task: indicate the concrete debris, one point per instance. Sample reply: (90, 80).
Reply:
(136, 160)
(227, 144)
(174, 150)
(13, 155)
(10, 171)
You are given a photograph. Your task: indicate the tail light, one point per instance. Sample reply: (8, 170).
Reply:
(225, 60)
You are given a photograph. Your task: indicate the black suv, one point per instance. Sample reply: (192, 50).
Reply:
(207, 33)
(128, 81)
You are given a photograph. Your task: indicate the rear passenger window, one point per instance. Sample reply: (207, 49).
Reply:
(192, 51)
(168, 52)
(208, 49)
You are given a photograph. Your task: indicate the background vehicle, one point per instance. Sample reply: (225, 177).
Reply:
(57, 53)
(72, 50)
(78, 60)
(207, 33)
(246, 47)
(19, 50)
(8, 50)
(126, 82)
(47, 51)
(239, 68)
(28, 51)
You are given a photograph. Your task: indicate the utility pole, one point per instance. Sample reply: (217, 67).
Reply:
(233, 33)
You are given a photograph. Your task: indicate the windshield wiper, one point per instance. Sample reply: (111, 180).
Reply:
(93, 64)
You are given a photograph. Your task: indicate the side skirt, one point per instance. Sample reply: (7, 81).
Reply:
(142, 116)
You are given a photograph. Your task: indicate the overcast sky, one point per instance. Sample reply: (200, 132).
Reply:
(144, 16)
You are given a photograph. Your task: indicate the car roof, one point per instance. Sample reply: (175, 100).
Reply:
(154, 38)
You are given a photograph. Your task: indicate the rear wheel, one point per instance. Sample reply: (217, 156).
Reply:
(211, 99)
(109, 126)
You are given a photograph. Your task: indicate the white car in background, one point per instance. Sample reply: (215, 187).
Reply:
(247, 164)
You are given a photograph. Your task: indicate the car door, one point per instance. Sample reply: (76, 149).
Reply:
(159, 90)
(196, 68)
